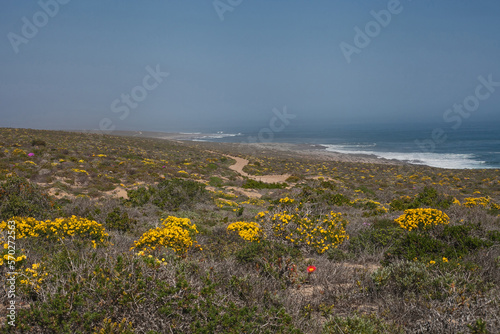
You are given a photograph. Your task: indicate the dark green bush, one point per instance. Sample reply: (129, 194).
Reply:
(177, 193)
(478, 327)
(336, 199)
(271, 260)
(170, 194)
(365, 190)
(254, 252)
(452, 242)
(215, 181)
(120, 221)
(379, 235)
(19, 197)
(402, 277)
(139, 196)
(38, 142)
(339, 255)
(252, 184)
(429, 197)
(323, 194)
(293, 179)
(493, 236)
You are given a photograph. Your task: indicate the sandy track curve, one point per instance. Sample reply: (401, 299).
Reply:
(240, 163)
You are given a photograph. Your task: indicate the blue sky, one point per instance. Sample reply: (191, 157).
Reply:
(232, 72)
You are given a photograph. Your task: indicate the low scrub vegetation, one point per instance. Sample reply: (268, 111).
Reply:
(138, 235)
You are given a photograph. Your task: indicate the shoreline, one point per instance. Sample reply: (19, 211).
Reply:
(310, 150)
(316, 151)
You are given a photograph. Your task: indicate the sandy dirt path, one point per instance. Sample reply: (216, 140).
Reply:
(240, 163)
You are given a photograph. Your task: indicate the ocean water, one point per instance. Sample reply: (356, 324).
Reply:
(473, 146)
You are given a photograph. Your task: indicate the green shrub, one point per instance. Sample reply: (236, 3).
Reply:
(139, 196)
(252, 184)
(293, 179)
(255, 252)
(493, 236)
(38, 142)
(402, 277)
(170, 194)
(336, 199)
(177, 193)
(452, 242)
(365, 190)
(211, 166)
(271, 260)
(429, 197)
(339, 255)
(478, 327)
(119, 220)
(362, 324)
(215, 181)
(379, 235)
(21, 198)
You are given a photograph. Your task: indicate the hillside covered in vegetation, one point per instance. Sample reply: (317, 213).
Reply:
(118, 234)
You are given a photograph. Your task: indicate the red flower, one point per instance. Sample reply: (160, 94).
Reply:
(311, 269)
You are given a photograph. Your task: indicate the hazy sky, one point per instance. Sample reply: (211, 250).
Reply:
(89, 64)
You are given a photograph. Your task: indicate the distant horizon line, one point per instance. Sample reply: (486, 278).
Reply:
(250, 128)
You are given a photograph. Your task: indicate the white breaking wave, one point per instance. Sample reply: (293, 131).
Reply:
(355, 145)
(441, 160)
(208, 137)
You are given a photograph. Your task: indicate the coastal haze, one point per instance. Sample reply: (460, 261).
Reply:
(268, 71)
(237, 166)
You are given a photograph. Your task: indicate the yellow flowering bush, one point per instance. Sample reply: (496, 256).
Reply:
(149, 162)
(19, 152)
(494, 206)
(175, 233)
(247, 231)
(422, 218)
(222, 194)
(261, 214)
(471, 202)
(76, 170)
(32, 278)
(254, 201)
(149, 259)
(484, 202)
(225, 203)
(6, 258)
(375, 208)
(320, 232)
(286, 200)
(27, 227)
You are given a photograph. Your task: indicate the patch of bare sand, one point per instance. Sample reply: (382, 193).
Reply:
(58, 193)
(118, 192)
(247, 192)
